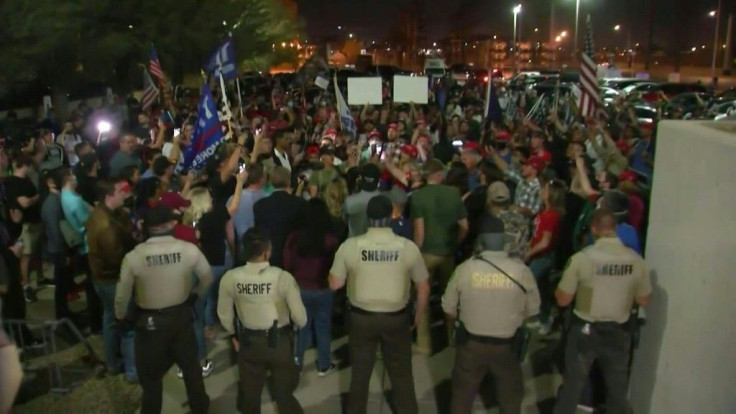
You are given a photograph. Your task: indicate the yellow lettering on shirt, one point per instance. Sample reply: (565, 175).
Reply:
(490, 281)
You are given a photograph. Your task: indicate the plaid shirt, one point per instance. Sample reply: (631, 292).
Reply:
(528, 194)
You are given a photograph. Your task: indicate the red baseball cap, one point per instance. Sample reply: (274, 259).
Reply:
(535, 162)
(623, 146)
(312, 151)
(503, 135)
(627, 175)
(375, 134)
(471, 146)
(174, 201)
(125, 187)
(331, 132)
(410, 150)
(393, 126)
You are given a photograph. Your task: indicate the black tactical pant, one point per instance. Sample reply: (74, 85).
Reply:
(163, 338)
(472, 361)
(608, 344)
(256, 359)
(393, 332)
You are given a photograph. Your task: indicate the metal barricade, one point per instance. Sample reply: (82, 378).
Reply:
(20, 331)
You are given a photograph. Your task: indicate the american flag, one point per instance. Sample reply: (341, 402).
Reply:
(155, 66)
(150, 93)
(590, 102)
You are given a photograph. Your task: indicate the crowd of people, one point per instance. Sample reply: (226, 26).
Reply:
(293, 207)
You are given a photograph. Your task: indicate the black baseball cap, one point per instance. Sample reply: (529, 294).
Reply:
(370, 174)
(159, 215)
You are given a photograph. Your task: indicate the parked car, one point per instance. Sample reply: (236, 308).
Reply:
(387, 72)
(620, 83)
(690, 101)
(727, 95)
(460, 73)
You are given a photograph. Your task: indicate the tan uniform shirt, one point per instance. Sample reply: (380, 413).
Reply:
(486, 301)
(379, 265)
(607, 277)
(261, 294)
(161, 272)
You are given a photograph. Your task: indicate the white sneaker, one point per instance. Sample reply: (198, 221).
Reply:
(326, 372)
(207, 368)
(545, 328)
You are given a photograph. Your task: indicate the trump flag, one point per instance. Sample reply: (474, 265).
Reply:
(223, 59)
(207, 134)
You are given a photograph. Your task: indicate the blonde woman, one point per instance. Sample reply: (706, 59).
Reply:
(214, 229)
(334, 196)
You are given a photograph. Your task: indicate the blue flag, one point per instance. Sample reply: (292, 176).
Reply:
(207, 134)
(347, 123)
(492, 108)
(223, 59)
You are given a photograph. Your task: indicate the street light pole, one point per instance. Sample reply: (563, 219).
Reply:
(517, 10)
(577, 21)
(715, 45)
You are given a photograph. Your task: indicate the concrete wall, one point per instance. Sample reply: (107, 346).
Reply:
(687, 358)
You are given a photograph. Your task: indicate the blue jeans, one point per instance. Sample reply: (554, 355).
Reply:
(541, 267)
(210, 307)
(319, 322)
(114, 338)
(199, 329)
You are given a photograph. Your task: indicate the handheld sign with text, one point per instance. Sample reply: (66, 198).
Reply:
(409, 89)
(321, 82)
(365, 91)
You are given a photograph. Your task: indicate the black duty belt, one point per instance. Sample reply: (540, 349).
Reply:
(163, 310)
(367, 312)
(490, 339)
(580, 321)
(282, 330)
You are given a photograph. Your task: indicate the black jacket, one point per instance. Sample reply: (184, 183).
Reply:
(277, 215)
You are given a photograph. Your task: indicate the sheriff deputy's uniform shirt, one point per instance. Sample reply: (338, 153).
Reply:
(378, 266)
(161, 272)
(606, 277)
(488, 302)
(260, 294)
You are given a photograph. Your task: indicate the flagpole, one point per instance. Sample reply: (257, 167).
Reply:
(240, 97)
(229, 113)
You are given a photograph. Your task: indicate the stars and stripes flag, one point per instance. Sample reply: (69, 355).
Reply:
(150, 93)
(155, 67)
(590, 101)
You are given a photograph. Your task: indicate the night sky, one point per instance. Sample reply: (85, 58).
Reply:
(372, 19)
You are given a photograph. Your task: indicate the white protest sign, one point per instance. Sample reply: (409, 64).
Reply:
(321, 82)
(365, 91)
(409, 89)
(47, 102)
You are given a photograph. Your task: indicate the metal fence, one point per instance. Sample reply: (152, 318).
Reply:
(53, 334)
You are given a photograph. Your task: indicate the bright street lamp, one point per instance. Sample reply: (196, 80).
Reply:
(351, 35)
(617, 27)
(558, 39)
(712, 13)
(564, 33)
(516, 10)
